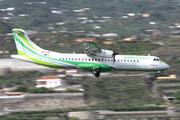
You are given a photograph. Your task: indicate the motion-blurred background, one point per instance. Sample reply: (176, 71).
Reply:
(139, 27)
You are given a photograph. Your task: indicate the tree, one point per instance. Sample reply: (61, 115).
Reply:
(158, 16)
(23, 88)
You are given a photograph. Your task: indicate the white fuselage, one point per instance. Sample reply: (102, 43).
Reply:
(122, 62)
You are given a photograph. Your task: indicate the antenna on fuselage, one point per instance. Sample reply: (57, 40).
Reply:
(149, 55)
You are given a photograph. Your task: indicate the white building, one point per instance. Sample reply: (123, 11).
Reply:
(110, 35)
(130, 14)
(106, 17)
(10, 8)
(49, 82)
(82, 18)
(78, 10)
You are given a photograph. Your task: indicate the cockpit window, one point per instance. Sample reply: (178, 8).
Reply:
(156, 59)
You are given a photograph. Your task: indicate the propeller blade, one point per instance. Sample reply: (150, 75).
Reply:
(113, 59)
(114, 53)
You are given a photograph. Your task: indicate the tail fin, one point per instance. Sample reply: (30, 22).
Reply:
(23, 43)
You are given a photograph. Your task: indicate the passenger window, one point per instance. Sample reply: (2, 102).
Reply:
(121, 60)
(82, 59)
(92, 59)
(102, 59)
(89, 59)
(124, 60)
(137, 60)
(127, 60)
(72, 58)
(95, 59)
(99, 60)
(75, 58)
(69, 58)
(131, 61)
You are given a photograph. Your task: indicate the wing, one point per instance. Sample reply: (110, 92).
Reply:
(90, 48)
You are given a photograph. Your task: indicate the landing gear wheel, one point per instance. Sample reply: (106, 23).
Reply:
(96, 72)
(158, 75)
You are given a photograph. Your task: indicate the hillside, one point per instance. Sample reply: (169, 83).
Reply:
(117, 91)
(47, 16)
(4, 28)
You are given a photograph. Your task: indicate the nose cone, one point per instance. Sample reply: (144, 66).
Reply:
(166, 66)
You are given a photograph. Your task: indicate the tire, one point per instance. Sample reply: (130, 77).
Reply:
(96, 72)
(158, 75)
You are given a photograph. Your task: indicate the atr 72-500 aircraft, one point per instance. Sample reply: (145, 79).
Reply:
(95, 59)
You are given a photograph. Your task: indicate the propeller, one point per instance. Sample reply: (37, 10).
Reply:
(114, 53)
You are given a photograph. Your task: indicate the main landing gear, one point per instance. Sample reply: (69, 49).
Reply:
(96, 72)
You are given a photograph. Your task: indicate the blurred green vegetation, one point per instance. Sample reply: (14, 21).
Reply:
(19, 78)
(163, 12)
(103, 91)
(176, 94)
(4, 28)
(30, 88)
(115, 91)
(169, 87)
(168, 81)
(44, 115)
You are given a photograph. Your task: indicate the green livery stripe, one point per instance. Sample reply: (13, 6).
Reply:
(27, 48)
(49, 64)
(38, 55)
(25, 40)
(41, 62)
(19, 30)
(20, 52)
(163, 62)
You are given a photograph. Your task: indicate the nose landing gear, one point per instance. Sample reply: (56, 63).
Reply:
(158, 74)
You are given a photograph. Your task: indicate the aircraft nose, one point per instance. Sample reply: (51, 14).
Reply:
(167, 66)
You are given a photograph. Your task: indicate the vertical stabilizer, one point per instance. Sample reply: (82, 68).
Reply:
(23, 43)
